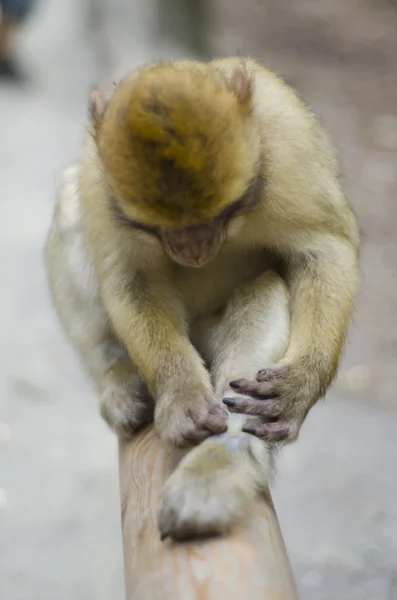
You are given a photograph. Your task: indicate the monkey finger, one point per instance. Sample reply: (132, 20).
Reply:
(273, 432)
(195, 436)
(215, 421)
(218, 411)
(272, 373)
(186, 432)
(248, 406)
(256, 389)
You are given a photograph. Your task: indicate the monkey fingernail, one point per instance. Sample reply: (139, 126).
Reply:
(263, 375)
(272, 374)
(249, 430)
(267, 375)
(229, 402)
(237, 384)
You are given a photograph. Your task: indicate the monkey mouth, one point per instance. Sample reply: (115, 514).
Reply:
(194, 246)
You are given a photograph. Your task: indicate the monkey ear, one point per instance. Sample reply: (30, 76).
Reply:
(97, 108)
(241, 84)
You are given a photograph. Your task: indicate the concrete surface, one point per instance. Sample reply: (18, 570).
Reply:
(59, 516)
(337, 486)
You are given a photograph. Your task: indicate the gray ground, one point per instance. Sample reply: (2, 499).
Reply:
(336, 491)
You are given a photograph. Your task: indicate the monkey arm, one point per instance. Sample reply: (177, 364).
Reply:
(322, 282)
(323, 285)
(150, 321)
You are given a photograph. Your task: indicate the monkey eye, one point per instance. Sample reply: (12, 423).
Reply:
(142, 227)
(231, 210)
(120, 216)
(249, 199)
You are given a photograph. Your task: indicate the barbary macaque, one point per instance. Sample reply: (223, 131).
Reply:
(204, 261)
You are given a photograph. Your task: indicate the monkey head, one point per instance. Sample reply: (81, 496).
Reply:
(180, 154)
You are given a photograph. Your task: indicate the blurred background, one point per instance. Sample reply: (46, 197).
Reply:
(337, 486)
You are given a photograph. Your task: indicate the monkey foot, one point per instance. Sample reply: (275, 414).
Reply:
(124, 409)
(201, 500)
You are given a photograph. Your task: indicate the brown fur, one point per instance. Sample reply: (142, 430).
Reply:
(173, 143)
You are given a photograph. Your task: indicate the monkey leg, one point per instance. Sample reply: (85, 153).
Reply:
(253, 330)
(213, 485)
(125, 402)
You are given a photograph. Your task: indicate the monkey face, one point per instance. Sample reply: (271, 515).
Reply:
(194, 246)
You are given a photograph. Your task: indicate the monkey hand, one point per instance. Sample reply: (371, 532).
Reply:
(187, 420)
(277, 400)
(126, 407)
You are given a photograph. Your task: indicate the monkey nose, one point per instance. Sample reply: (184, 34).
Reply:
(194, 255)
(194, 247)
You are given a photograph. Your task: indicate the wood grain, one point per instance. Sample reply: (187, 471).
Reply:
(249, 563)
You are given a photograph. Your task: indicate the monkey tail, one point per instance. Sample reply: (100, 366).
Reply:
(214, 485)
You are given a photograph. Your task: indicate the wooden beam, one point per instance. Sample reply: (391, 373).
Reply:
(249, 563)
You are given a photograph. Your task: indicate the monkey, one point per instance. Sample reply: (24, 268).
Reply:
(203, 259)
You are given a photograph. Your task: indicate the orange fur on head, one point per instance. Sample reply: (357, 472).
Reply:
(176, 144)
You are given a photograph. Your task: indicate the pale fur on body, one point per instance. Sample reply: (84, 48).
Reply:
(120, 297)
